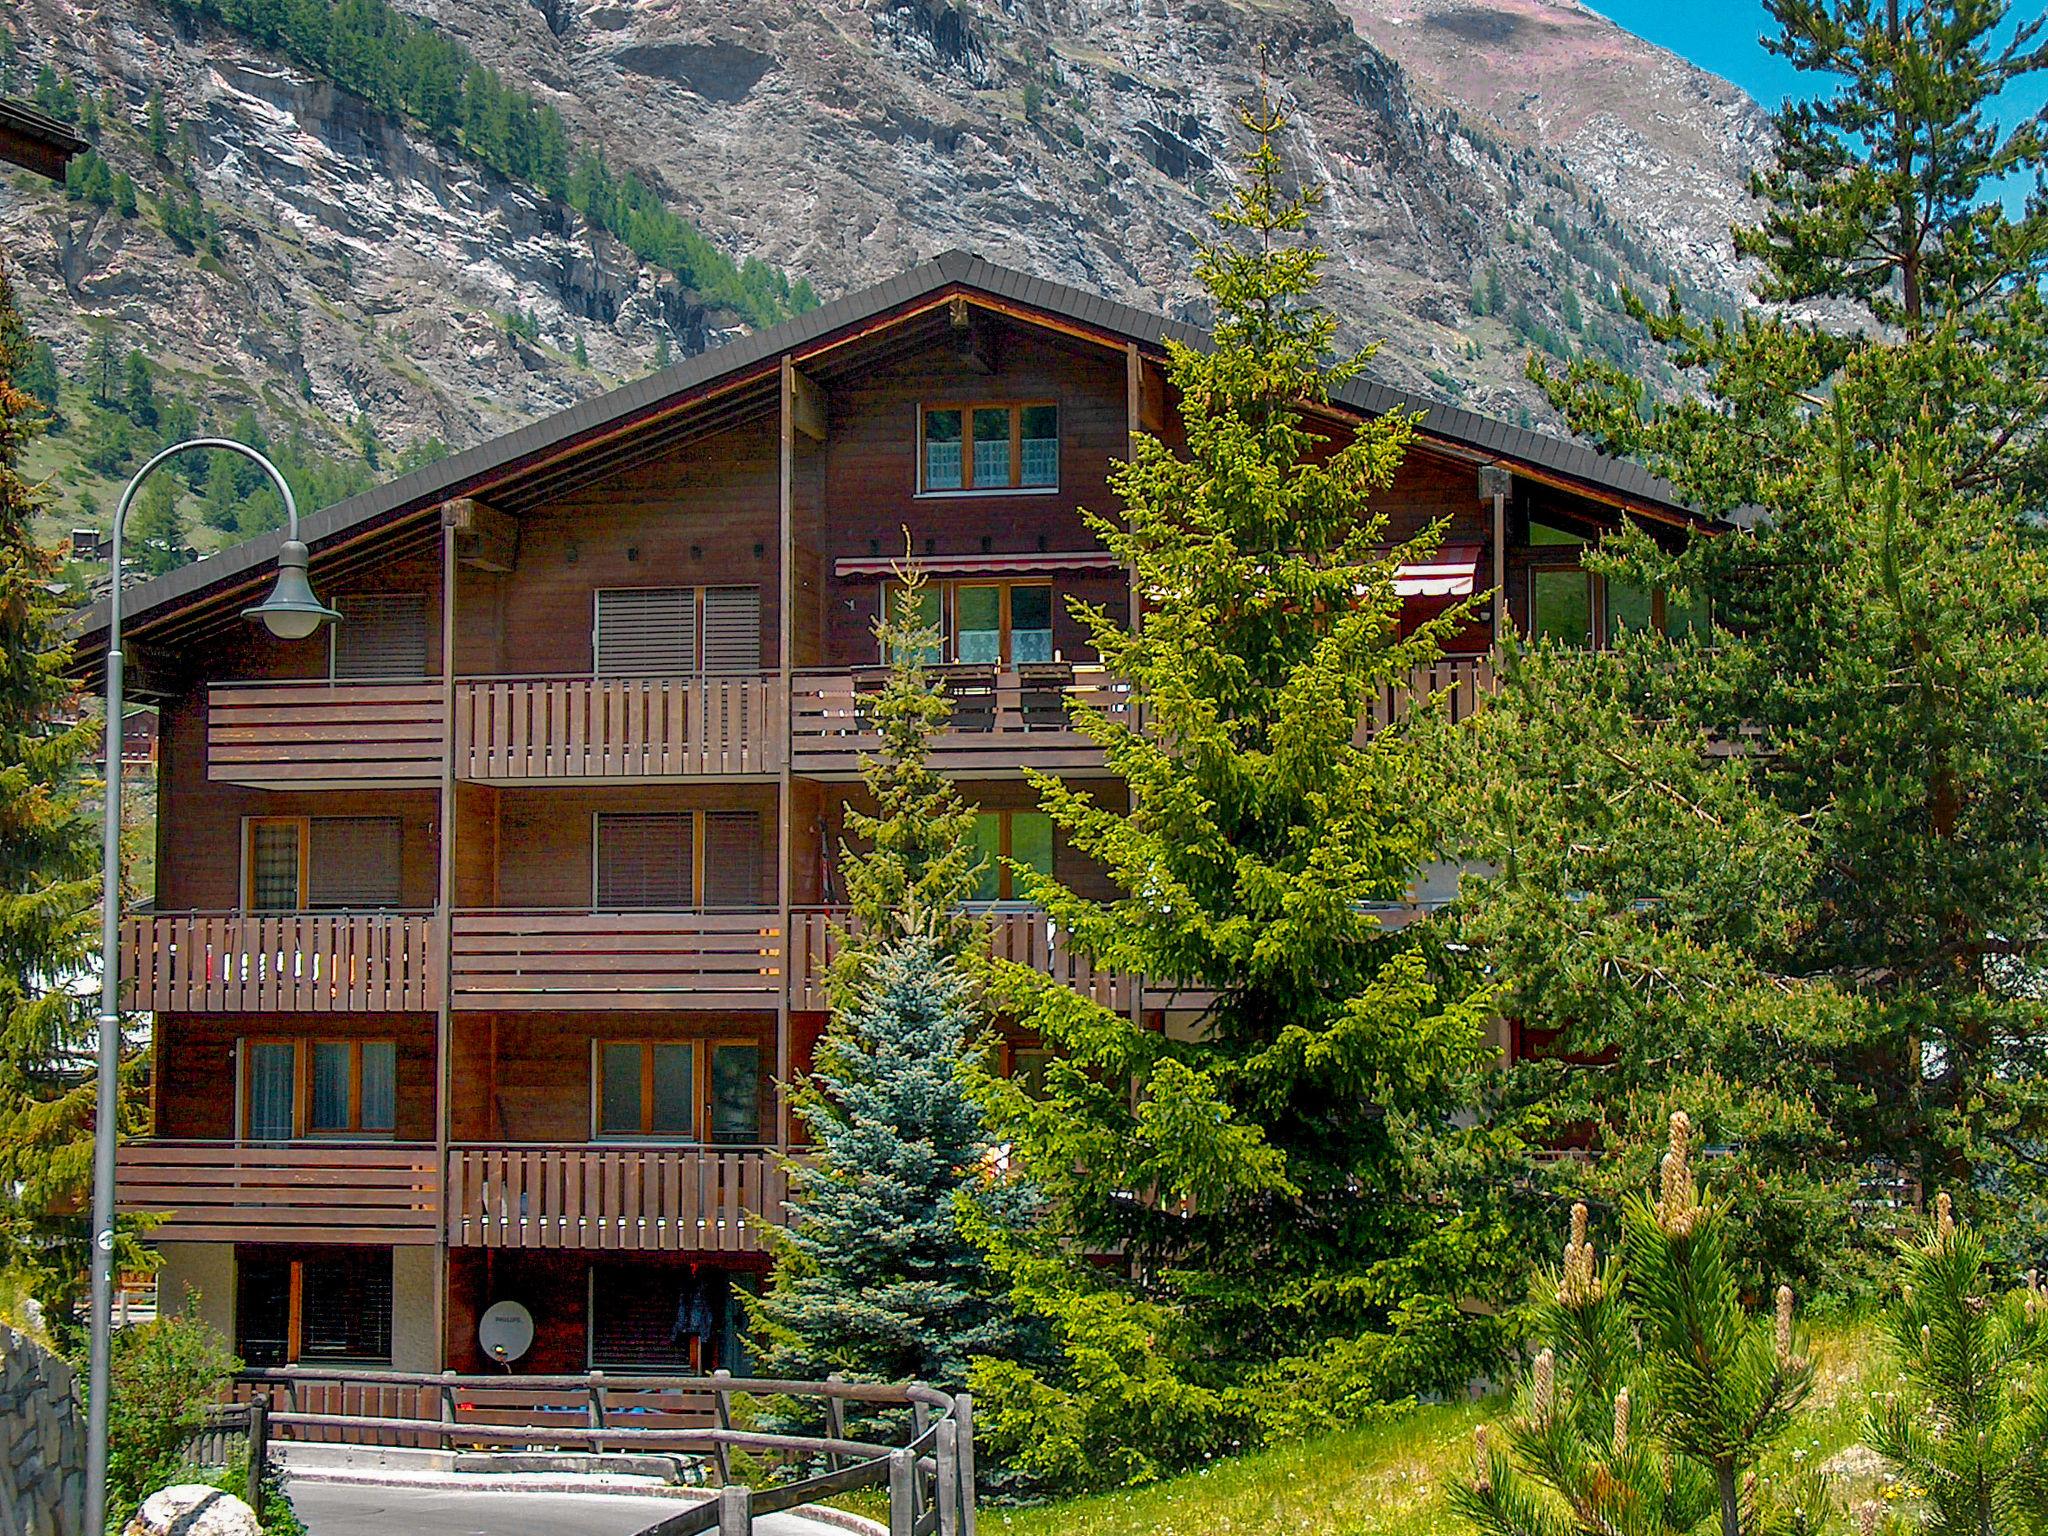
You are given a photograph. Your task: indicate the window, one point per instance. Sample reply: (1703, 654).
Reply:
(989, 447)
(1561, 605)
(658, 1319)
(276, 867)
(319, 1088)
(381, 634)
(1025, 836)
(659, 861)
(1575, 607)
(334, 1307)
(988, 623)
(677, 631)
(327, 863)
(686, 1090)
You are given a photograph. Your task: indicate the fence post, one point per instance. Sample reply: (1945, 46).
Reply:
(920, 1421)
(902, 1493)
(595, 1386)
(259, 1455)
(947, 1492)
(963, 1414)
(721, 1409)
(735, 1513)
(835, 1420)
(447, 1408)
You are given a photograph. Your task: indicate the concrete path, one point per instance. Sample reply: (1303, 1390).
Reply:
(359, 1509)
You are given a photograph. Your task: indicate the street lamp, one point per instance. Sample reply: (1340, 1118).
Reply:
(291, 612)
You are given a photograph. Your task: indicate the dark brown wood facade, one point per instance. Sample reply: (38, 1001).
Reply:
(512, 795)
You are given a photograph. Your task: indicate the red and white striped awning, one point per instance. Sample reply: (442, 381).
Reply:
(1452, 572)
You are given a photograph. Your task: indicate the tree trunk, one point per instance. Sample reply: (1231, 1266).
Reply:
(1731, 1503)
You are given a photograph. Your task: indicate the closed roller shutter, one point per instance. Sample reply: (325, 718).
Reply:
(353, 862)
(732, 630)
(644, 862)
(732, 858)
(646, 631)
(381, 634)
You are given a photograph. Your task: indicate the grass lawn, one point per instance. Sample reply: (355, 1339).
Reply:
(1392, 1478)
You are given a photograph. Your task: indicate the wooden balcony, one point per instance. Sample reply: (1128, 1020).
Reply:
(1464, 681)
(281, 962)
(700, 1199)
(228, 1191)
(511, 960)
(319, 735)
(1003, 718)
(1021, 934)
(546, 729)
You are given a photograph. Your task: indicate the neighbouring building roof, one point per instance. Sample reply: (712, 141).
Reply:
(618, 412)
(36, 140)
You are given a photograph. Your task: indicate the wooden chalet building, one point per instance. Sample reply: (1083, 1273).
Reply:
(487, 922)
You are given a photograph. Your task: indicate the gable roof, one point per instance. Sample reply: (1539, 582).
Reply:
(35, 140)
(471, 472)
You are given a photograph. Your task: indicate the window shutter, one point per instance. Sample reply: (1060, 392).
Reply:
(646, 631)
(381, 634)
(732, 858)
(732, 630)
(643, 862)
(354, 861)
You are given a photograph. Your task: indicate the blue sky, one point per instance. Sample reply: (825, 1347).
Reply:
(1722, 35)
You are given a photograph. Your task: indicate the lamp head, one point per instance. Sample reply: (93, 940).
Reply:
(291, 612)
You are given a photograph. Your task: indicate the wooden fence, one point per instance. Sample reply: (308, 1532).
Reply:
(281, 962)
(929, 1472)
(547, 728)
(292, 735)
(666, 1198)
(262, 1192)
(715, 960)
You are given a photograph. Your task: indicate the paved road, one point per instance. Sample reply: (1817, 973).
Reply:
(343, 1509)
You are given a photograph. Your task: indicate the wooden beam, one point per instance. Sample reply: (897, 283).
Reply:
(485, 538)
(809, 408)
(973, 338)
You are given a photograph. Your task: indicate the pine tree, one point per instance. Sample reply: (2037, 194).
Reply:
(877, 1276)
(1287, 1209)
(138, 394)
(1896, 462)
(159, 133)
(1657, 1394)
(156, 527)
(102, 366)
(49, 918)
(661, 349)
(582, 354)
(1971, 1428)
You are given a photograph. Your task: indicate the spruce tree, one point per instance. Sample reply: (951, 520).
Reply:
(1271, 1181)
(1656, 1395)
(1971, 1428)
(1878, 654)
(157, 538)
(877, 1276)
(49, 917)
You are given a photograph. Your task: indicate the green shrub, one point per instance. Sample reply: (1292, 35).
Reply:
(166, 1374)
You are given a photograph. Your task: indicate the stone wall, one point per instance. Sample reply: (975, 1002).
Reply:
(42, 1442)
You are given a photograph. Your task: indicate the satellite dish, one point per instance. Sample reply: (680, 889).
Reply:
(505, 1331)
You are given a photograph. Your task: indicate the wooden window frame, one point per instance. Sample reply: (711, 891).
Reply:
(1015, 486)
(295, 1315)
(303, 1047)
(701, 1048)
(1596, 602)
(1005, 818)
(304, 826)
(948, 590)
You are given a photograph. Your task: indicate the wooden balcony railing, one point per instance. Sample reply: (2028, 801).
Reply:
(1002, 717)
(1022, 934)
(518, 960)
(228, 1191)
(672, 1198)
(303, 735)
(281, 962)
(547, 728)
(1464, 680)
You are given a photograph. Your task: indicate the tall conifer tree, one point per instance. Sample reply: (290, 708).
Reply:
(49, 923)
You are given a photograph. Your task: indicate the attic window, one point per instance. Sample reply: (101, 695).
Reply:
(989, 448)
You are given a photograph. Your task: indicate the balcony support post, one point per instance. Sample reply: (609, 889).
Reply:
(443, 938)
(785, 557)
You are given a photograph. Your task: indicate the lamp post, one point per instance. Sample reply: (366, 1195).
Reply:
(291, 612)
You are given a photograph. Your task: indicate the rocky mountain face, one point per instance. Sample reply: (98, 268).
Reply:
(1489, 172)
